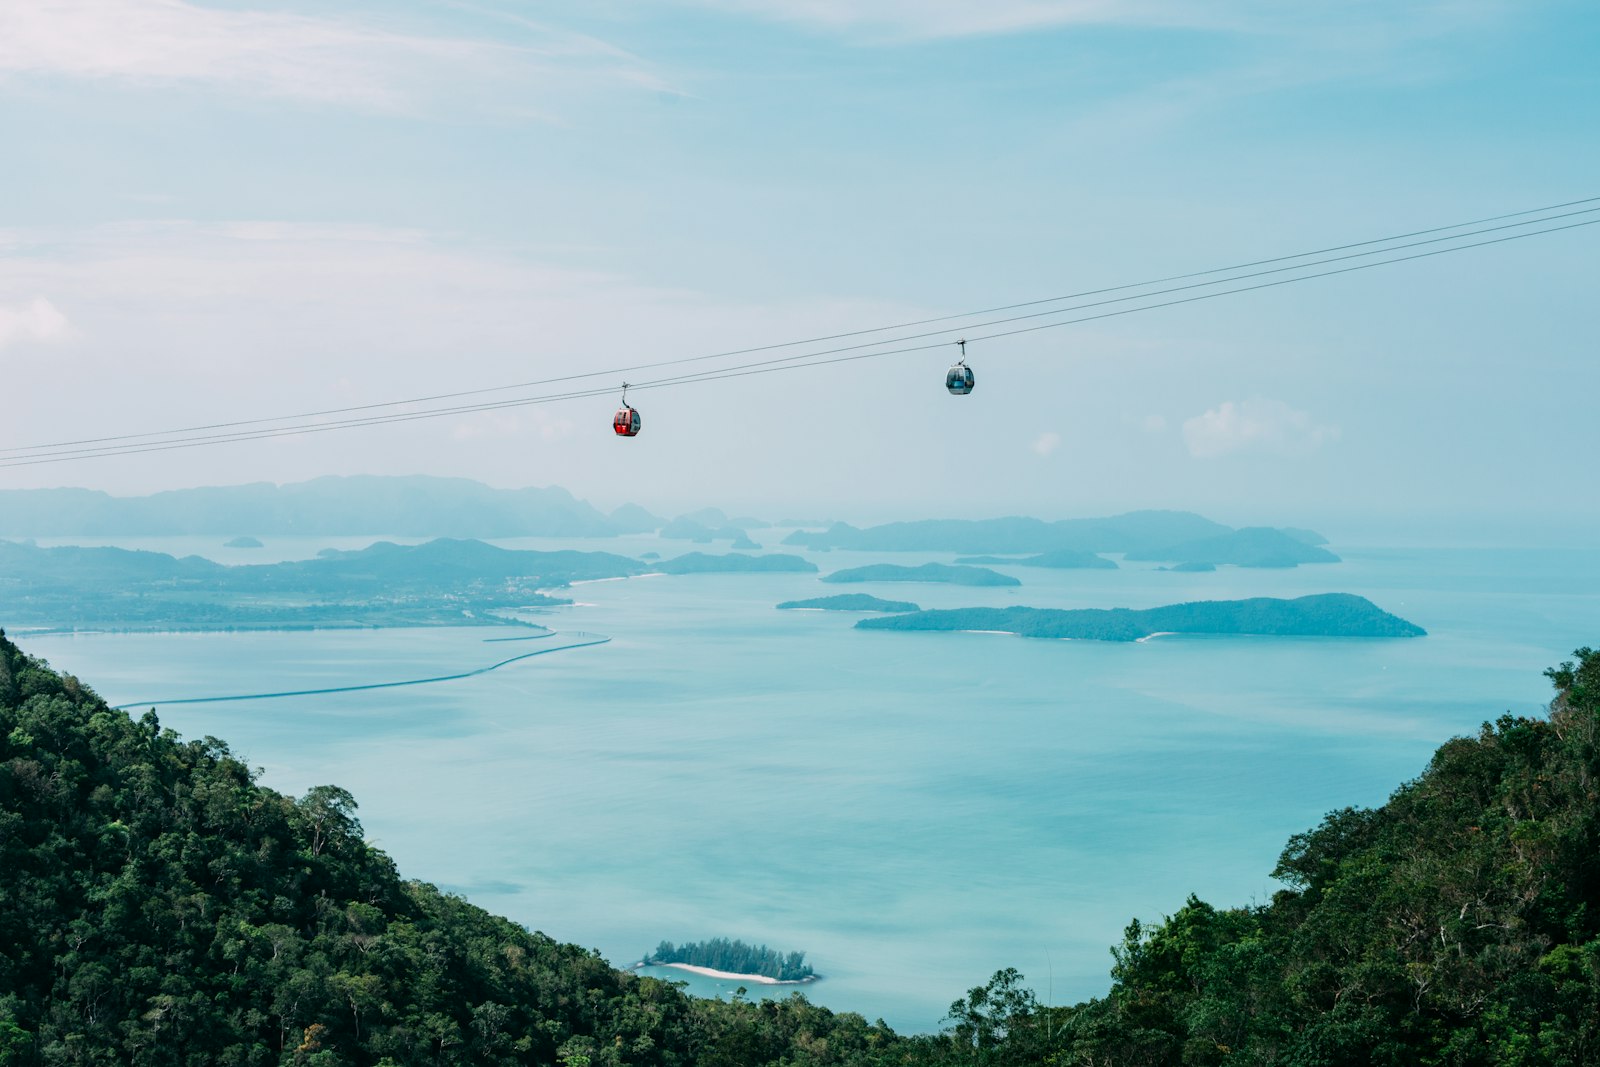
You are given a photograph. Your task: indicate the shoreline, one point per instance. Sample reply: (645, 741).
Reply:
(709, 972)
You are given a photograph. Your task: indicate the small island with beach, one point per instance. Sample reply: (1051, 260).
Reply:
(722, 958)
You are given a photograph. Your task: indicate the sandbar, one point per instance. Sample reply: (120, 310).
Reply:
(712, 973)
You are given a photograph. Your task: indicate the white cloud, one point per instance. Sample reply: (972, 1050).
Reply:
(935, 19)
(1255, 425)
(938, 18)
(284, 54)
(1047, 442)
(38, 320)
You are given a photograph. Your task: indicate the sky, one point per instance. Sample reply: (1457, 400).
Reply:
(236, 210)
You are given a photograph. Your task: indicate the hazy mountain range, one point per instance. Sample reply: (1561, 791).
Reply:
(414, 506)
(421, 506)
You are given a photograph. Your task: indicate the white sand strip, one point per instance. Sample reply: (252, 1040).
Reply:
(710, 973)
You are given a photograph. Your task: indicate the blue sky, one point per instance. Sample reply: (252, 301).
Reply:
(227, 210)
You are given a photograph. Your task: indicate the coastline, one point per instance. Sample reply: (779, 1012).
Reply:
(709, 972)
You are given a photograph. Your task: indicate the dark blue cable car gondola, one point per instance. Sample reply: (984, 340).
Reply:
(960, 379)
(626, 423)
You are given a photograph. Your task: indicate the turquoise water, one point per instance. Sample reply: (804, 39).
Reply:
(914, 811)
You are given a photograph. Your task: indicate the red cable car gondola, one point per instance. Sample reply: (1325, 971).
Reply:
(626, 423)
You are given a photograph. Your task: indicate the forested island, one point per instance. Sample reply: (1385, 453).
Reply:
(928, 572)
(735, 958)
(1321, 615)
(163, 908)
(849, 602)
(244, 542)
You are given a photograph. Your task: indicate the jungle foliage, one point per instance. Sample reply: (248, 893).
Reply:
(158, 907)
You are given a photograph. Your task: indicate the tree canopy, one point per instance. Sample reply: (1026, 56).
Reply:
(158, 906)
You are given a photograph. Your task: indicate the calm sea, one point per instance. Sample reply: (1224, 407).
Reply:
(914, 811)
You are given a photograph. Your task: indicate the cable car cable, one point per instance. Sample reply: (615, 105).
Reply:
(5, 452)
(1176, 289)
(768, 368)
(745, 370)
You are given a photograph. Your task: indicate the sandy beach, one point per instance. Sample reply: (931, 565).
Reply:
(710, 973)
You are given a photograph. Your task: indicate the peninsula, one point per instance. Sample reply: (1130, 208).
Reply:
(439, 583)
(928, 572)
(1321, 615)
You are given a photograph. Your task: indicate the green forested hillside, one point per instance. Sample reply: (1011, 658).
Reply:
(159, 907)
(1457, 924)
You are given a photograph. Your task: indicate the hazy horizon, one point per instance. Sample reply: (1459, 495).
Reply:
(1464, 529)
(218, 213)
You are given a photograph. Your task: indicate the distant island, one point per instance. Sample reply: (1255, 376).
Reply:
(721, 958)
(1190, 568)
(849, 602)
(1310, 537)
(243, 542)
(1253, 546)
(688, 529)
(928, 572)
(1016, 535)
(1322, 615)
(734, 563)
(1060, 559)
(1175, 536)
(719, 518)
